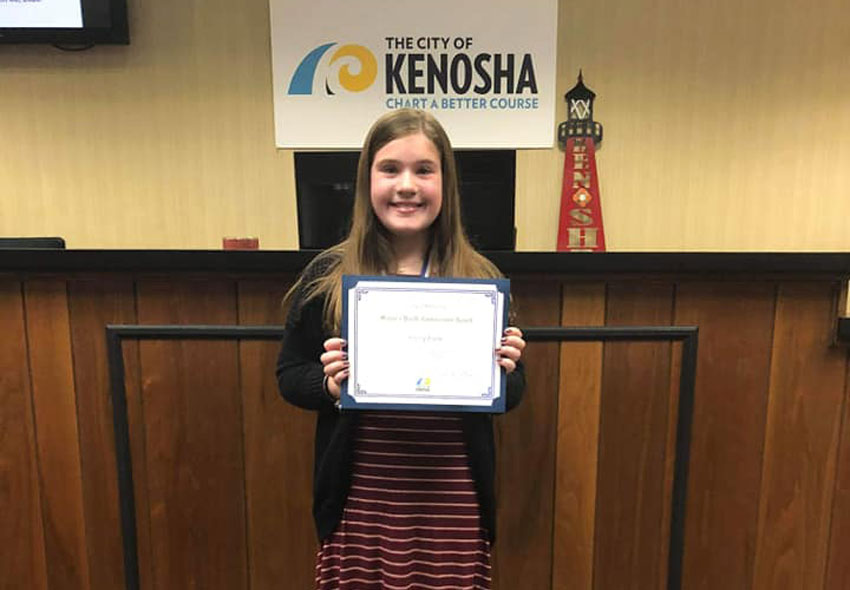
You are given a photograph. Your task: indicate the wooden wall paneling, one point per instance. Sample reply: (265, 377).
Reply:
(194, 440)
(94, 303)
(525, 451)
(633, 436)
(579, 390)
(278, 455)
(22, 558)
(838, 565)
(801, 442)
(733, 366)
(54, 402)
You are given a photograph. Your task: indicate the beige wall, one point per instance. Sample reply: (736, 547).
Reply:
(727, 127)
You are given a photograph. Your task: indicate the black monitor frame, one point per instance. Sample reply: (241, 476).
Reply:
(104, 22)
(32, 243)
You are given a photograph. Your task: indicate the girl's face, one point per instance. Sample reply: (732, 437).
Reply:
(407, 185)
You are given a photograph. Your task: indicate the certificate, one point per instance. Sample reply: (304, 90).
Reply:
(419, 343)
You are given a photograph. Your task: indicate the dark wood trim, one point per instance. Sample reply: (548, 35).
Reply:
(269, 261)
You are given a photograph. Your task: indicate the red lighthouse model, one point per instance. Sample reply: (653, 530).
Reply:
(580, 224)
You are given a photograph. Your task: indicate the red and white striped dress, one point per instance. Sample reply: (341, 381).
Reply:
(411, 520)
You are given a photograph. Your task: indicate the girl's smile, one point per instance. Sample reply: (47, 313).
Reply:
(407, 186)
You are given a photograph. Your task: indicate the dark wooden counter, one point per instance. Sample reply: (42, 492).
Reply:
(835, 264)
(221, 465)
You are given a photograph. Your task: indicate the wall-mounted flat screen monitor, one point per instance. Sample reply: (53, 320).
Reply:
(64, 22)
(324, 185)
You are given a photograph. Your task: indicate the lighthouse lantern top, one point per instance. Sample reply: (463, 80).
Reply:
(580, 101)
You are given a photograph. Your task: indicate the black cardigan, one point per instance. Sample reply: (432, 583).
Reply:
(300, 376)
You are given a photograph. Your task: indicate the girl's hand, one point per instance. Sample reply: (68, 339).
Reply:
(509, 353)
(335, 363)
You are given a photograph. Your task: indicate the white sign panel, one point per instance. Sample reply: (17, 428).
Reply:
(484, 68)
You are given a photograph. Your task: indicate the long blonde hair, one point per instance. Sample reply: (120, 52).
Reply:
(367, 249)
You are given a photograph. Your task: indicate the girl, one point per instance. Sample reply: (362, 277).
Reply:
(404, 499)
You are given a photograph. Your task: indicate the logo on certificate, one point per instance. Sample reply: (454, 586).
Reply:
(423, 384)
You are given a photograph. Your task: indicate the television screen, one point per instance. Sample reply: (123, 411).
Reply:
(71, 22)
(487, 180)
(324, 187)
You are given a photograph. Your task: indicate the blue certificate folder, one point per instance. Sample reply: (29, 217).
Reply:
(489, 398)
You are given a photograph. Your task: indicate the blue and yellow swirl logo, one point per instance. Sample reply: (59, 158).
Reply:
(344, 62)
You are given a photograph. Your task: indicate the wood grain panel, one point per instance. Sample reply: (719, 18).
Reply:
(633, 434)
(93, 305)
(54, 401)
(735, 323)
(22, 559)
(525, 450)
(193, 435)
(278, 456)
(579, 390)
(801, 442)
(838, 566)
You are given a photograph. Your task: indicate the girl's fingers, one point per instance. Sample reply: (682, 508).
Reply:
(509, 352)
(332, 369)
(512, 345)
(508, 364)
(335, 364)
(514, 341)
(335, 344)
(333, 356)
